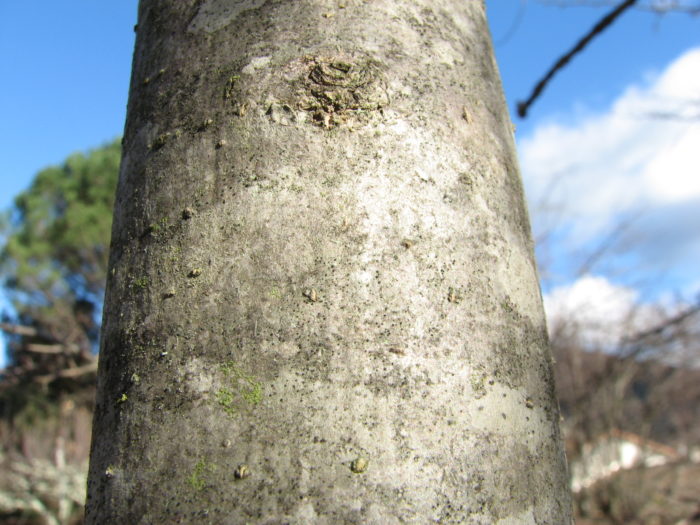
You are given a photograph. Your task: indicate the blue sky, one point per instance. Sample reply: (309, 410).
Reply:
(66, 65)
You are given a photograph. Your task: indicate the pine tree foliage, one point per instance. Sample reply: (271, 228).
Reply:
(54, 261)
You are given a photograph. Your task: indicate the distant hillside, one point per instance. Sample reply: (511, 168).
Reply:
(599, 392)
(666, 495)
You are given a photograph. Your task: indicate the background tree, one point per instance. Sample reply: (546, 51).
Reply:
(321, 276)
(54, 265)
(646, 384)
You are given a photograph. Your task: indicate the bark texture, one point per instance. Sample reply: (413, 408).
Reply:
(322, 303)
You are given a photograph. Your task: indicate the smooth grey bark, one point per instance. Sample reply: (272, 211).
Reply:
(322, 304)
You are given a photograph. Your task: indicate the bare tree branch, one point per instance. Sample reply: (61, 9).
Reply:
(52, 349)
(669, 115)
(659, 330)
(602, 24)
(514, 25)
(656, 6)
(44, 349)
(19, 329)
(68, 373)
(606, 245)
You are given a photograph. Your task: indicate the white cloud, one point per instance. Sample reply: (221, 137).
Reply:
(639, 157)
(628, 155)
(673, 174)
(601, 315)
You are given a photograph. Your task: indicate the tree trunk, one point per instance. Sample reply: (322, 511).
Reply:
(322, 303)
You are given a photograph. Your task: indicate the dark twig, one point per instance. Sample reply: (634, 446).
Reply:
(602, 24)
(660, 7)
(658, 330)
(514, 25)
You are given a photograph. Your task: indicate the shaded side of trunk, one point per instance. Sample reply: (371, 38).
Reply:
(322, 304)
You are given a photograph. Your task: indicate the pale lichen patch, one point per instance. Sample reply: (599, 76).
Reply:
(199, 378)
(526, 517)
(255, 64)
(217, 14)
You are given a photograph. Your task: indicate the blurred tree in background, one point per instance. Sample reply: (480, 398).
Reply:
(53, 266)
